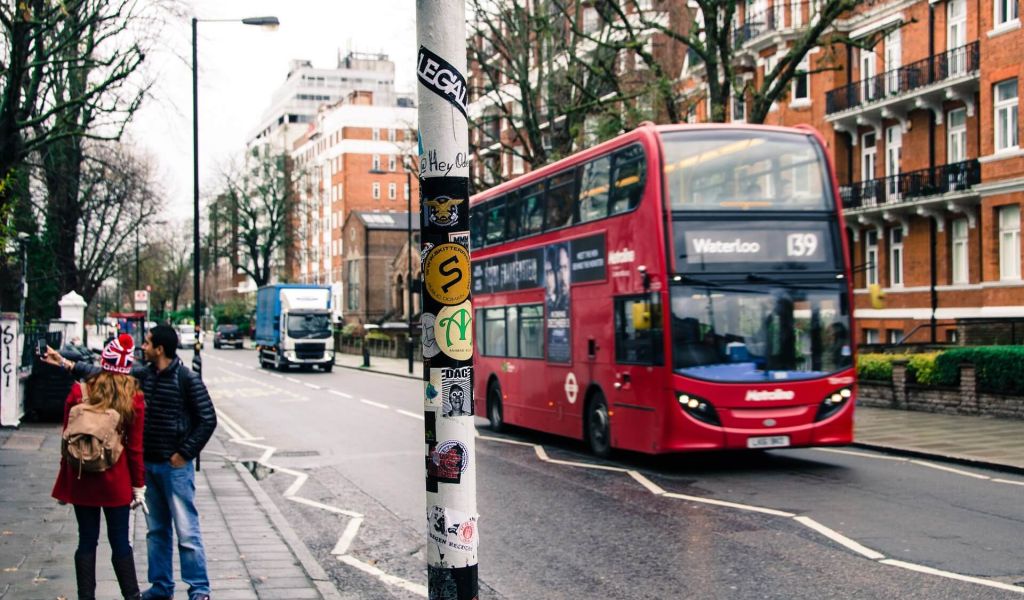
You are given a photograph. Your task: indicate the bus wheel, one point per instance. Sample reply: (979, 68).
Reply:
(599, 436)
(494, 409)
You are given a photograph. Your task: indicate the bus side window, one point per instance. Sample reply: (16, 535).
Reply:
(638, 330)
(531, 210)
(594, 189)
(531, 331)
(495, 224)
(628, 179)
(512, 203)
(476, 226)
(561, 199)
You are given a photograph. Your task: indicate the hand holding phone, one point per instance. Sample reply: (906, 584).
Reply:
(42, 347)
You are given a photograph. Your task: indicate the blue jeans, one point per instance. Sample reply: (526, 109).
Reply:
(117, 529)
(171, 498)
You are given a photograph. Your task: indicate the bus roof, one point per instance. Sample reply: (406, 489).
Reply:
(645, 130)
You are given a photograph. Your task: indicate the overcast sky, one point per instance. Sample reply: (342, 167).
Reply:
(239, 68)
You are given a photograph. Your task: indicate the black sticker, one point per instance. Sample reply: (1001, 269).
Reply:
(440, 77)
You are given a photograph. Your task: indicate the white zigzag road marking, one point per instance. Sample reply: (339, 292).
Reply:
(808, 522)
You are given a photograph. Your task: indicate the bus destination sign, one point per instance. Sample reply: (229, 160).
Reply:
(720, 244)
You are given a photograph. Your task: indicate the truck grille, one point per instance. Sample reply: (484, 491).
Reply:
(307, 351)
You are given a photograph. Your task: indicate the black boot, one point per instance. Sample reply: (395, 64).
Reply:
(124, 568)
(85, 575)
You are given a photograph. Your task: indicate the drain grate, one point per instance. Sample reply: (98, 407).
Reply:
(295, 453)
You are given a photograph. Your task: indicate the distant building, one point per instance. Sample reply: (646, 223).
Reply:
(358, 155)
(372, 242)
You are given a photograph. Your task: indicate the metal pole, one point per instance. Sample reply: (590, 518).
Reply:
(137, 256)
(408, 272)
(452, 519)
(197, 362)
(24, 283)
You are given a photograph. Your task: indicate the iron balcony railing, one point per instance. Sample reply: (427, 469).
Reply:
(954, 177)
(938, 67)
(757, 24)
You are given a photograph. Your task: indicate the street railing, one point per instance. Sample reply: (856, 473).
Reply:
(937, 67)
(954, 177)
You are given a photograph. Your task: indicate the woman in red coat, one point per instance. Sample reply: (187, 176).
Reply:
(117, 490)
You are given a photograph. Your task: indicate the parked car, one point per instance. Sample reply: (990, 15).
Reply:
(227, 335)
(186, 336)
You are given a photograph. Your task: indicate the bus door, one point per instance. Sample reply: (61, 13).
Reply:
(637, 387)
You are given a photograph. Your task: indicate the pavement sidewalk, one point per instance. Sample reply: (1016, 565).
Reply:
(251, 550)
(983, 441)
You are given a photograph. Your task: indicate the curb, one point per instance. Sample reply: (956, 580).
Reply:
(316, 572)
(966, 461)
(372, 370)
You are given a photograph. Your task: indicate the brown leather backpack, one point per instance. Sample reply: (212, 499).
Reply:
(91, 442)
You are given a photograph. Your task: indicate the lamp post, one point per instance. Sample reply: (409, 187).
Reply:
(23, 242)
(270, 23)
(408, 276)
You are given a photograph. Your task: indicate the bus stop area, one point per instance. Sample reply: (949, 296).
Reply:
(982, 441)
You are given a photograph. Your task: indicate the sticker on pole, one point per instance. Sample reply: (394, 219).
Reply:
(571, 388)
(453, 529)
(439, 76)
(453, 331)
(447, 462)
(443, 210)
(432, 389)
(456, 391)
(430, 347)
(446, 273)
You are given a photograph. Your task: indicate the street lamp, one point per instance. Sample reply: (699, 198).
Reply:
(23, 242)
(408, 276)
(269, 23)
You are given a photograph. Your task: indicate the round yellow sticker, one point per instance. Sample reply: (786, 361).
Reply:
(453, 331)
(446, 273)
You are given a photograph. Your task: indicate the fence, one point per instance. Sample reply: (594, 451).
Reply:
(386, 348)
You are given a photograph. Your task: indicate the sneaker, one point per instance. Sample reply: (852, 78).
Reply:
(200, 597)
(151, 595)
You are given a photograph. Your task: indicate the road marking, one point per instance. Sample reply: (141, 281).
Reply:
(949, 469)
(652, 487)
(347, 536)
(293, 380)
(312, 386)
(923, 569)
(234, 425)
(415, 588)
(504, 441)
(337, 393)
(1008, 481)
(839, 538)
(372, 403)
(861, 454)
(727, 504)
(276, 375)
(409, 414)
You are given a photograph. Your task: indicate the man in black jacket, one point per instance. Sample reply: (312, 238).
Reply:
(180, 419)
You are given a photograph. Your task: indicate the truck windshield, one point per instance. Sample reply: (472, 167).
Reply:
(309, 326)
(759, 332)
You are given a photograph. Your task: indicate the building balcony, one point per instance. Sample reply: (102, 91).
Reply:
(927, 83)
(897, 197)
(764, 28)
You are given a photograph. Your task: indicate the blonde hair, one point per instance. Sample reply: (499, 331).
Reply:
(113, 390)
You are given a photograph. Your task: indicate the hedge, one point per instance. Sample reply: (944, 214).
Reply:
(997, 368)
(921, 368)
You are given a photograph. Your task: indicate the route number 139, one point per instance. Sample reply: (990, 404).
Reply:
(801, 244)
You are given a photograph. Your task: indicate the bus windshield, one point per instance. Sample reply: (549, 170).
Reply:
(759, 332)
(740, 169)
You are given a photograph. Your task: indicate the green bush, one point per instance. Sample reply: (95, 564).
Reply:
(377, 335)
(997, 368)
(921, 367)
(876, 367)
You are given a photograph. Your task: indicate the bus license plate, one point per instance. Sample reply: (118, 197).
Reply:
(772, 441)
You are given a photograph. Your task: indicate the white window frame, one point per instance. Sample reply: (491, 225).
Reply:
(893, 52)
(893, 160)
(391, 134)
(956, 135)
(1005, 13)
(376, 134)
(894, 335)
(392, 191)
(392, 161)
(1006, 116)
(406, 193)
(805, 100)
(896, 257)
(1009, 242)
(870, 335)
(871, 257)
(796, 11)
(376, 190)
(737, 106)
(868, 70)
(959, 251)
(375, 164)
(956, 35)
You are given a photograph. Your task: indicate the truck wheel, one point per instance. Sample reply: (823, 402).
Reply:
(598, 431)
(328, 367)
(282, 364)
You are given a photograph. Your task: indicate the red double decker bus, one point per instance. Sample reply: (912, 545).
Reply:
(676, 288)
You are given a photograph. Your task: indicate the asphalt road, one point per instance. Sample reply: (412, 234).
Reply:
(778, 524)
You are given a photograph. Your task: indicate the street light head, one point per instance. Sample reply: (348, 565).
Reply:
(22, 236)
(265, 22)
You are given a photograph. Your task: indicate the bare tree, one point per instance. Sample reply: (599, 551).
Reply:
(117, 196)
(538, 82)
(258, 196)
